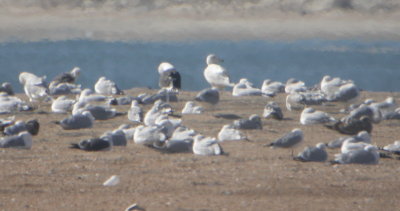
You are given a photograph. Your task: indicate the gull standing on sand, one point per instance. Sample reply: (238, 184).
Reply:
(288, 140)
(311, 116)
(313, 154)
(169, 76)
(135, 112)
(107, 87)
(21, 141)
(77, 121)
(191, 108)
(229, 133)
(34, 87)
(215, 74)
(206, 146)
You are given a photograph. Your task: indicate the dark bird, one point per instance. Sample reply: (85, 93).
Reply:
(69, 77)
(93, 144)
(32, 126)
(209, 95)
(352, 126)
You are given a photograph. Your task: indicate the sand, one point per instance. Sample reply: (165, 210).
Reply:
(51, 176)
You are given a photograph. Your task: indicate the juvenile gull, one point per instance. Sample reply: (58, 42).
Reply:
(93, 144)
(67, 77)
(311, 116)
(206, 146)
(135, 112)
(62, 105)
(107, 87)
(316, 154)
(215, 74)
(352, 126)
(209, 95)
(288, 140)
(253, 122)
(272, 111)
(367, 155)
(21, 141)
(77, 121)
(229, 133)
(191, 108)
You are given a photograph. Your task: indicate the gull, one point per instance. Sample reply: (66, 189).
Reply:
(117, 137)
(311, 116)
(135, 112)
(124, 100)
(87, 96)
(294, 85)
(148, 135)
(272, 110)
(209, 95)
(367, 155)
(297, 100)
(7, 88)
(271, 88)
(166, 124)
(9, 104)
(128, 131)
(316, 154)
(167, 95)
(229, 133)
(64, 89)
(346, 93)
(77, 121)
(244, 88)
(289, 139)
(175, 146)
(107, 87)
(31, 126)
(385, 107)
(183, 133)
(206, 146)
(393, 148)
(67, 77)
(352, 126)
(191, 108)
(294, 101)
(169, 76)
(62, 105)
(253, 122)
(34, 87)
(373, 113)
(330, 85)
(362, 136)
(352, 144)
(99, 112)
(215, 74)
(21, 141)
(159, 108)
(93, 144)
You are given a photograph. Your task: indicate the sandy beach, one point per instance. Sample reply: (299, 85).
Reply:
(51, 176)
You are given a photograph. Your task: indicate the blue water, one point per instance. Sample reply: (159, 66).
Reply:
(373, 65)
